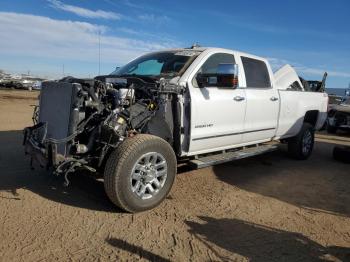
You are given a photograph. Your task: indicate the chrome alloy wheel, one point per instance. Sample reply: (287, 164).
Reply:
(307, 142)
(148, 175)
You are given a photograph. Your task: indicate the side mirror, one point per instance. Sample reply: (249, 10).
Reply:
(226, 76)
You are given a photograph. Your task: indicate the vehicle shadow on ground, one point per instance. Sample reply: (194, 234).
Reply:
(260, 243)
(319, 183)
(84, 191)
(139, 251)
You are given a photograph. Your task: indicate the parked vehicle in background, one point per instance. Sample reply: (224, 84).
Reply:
(22, 81)
(203, 105)
(26, 84)
(9, 83)
(339, 117)
(37, 85)
(30, 83)
(334, 100)
(342, 92)
(347, 92)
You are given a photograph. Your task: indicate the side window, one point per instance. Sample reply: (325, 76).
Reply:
(256, 73)
(211, 65)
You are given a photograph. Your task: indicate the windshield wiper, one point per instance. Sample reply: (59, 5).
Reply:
(170, 74)
(141, 77)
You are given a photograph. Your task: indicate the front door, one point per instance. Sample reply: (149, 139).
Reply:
(217, 113)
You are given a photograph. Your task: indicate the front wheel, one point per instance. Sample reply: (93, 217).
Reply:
(140, 173)
(301, 146)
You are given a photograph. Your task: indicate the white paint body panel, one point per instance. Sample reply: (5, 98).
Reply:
(261, 114)
(285, 76)
(293, 106)
(219, 114)
(215, 114)
(228, 123)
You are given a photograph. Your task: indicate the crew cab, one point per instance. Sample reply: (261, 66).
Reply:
(203, 105)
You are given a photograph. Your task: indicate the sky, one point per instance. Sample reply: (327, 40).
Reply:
(52, 38)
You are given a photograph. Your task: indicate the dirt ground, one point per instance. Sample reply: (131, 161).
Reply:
(267, 208)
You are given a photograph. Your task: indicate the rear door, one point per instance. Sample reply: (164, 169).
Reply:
(217, 113)
(262, 101)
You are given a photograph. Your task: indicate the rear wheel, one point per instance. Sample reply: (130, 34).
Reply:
(140, 173)
(301, 146)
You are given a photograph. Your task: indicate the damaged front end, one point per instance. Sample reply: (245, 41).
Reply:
(81, 121)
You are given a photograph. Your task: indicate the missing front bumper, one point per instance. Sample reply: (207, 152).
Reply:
(44, 153)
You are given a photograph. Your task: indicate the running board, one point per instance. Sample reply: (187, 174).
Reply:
(216, 159)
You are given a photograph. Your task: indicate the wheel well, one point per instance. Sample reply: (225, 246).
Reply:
(311, 117)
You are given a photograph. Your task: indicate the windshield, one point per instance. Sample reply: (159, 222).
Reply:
(157, 64)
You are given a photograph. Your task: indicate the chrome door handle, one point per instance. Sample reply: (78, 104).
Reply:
(274, 98)
(239, 98)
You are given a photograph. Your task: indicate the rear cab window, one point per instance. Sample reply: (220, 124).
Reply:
(256, 73)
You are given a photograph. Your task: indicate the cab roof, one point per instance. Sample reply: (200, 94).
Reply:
(213, 49)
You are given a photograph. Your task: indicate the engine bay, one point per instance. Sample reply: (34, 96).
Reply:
(103, 112)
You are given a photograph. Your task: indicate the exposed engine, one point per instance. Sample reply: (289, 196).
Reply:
(80, 121)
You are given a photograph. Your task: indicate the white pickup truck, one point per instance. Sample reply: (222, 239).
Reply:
(206, 105)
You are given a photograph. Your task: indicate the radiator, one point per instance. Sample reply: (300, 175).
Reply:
(58, 108)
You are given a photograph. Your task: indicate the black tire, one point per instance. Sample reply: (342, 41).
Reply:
(342, 154)
(296, 146)
(119, 168)
(331, 129)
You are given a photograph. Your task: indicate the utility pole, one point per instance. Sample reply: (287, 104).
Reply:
(99, 52)
(63, 70)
